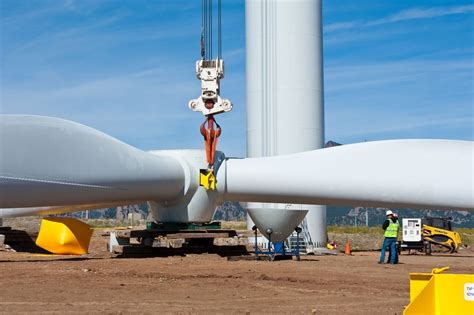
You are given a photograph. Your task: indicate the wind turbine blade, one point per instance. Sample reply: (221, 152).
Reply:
(53, 162)
(435, 174)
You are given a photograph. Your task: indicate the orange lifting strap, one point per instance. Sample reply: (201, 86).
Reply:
(210, 137)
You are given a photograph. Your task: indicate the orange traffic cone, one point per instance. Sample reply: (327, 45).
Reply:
(348, 247)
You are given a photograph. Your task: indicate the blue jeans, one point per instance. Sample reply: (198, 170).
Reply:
(389, 243)
(396, 256)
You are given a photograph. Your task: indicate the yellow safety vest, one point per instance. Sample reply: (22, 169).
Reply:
(392, 229)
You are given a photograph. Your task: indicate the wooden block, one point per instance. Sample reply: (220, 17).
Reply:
(160, 242)
(226, 241)
(168, 243)
(176, 243)
(243, 241)
(230, 241)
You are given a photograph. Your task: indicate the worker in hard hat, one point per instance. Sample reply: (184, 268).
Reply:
(397, 245)
(391, 227)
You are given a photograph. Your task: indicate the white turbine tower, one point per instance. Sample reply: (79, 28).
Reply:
(285, 98)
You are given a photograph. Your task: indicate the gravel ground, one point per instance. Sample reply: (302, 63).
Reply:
(203, 284)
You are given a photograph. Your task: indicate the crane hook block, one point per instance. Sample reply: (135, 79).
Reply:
(207, 179)
(210, 72)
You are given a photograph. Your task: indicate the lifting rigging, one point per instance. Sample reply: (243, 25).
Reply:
(210, 71)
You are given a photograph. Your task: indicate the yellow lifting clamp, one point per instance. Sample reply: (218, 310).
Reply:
(207, 179)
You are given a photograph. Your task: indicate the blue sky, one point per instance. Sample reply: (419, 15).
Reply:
(393, 69)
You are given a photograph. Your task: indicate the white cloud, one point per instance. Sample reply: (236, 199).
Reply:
(398, 99)
(407, 124)
(342, 26)
(347, 78)
(420, 13)
(404, 15)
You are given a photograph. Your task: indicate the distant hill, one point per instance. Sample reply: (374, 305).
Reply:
(230, 211)
(331, 143)
(376, 216)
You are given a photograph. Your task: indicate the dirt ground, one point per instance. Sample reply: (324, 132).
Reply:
(203, 284)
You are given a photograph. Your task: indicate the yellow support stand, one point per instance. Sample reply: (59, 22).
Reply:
(437, 293)
(64, 236)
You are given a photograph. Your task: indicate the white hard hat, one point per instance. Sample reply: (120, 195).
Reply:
(389, 212)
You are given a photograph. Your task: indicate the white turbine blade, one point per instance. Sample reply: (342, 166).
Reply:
(53, 162)
(403, 173)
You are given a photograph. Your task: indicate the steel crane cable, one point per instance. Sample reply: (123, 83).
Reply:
(210, 30)
(207, 40)
(203, 48)
(219, 30)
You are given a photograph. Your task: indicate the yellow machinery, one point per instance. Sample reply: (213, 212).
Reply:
(421, 234)
(438, 231)
(438, 293)
(64, 236)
